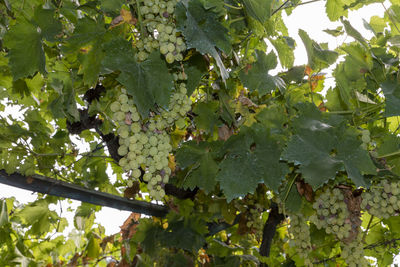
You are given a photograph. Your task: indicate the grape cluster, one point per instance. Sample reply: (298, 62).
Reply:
(254, 218)
(366, 139)
(143, 147)
(383, 201)
(353, 253)
(161, 31)
(332, 213)
(301, 237)
(178, 106)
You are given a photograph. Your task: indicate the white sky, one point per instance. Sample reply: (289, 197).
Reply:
(311, 18)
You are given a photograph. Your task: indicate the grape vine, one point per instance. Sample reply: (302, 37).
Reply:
(197, 104)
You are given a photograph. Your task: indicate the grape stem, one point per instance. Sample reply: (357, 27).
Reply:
(390, 154)
(234, 7)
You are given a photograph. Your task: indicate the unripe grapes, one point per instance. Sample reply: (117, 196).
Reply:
(382, 200)
(331, 212)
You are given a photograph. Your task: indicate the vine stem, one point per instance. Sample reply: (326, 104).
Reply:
(233, 7)
(390, 154)
(279, 8)
(236, 20)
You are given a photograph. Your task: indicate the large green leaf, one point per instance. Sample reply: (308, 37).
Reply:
(355, 159)
(322, 148)
(285, 47)
(335, 9)
(149, 82)
(207, 115)
(195, 68)
(256, 77)
(391, 90)
(87, 40)
(318, 58)
(203, 31)
(258, 156)
(49, 26)
(26, 55)
(146, 89)
(204, 168)
(259, 9)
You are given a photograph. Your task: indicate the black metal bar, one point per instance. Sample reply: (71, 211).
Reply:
(58, 188)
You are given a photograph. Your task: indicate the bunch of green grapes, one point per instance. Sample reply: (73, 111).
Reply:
(331, 213)
(144, 147)
(254, 218)
(300, 231)
(383, 200)
(178, 106)
(162, 34)
(353, 253)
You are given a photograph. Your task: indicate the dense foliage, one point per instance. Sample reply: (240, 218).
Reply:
(176, 100)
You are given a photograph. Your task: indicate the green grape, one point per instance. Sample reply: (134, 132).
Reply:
(366, 139)
(122, 150)
(123, 162)
(164, 49)
(170, 58)
(142, 56)
(125, 107)
(124, 133)
(136, 173)
(168, 28)
(171, 47)
(115, 106)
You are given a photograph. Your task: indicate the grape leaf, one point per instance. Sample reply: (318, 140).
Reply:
(391, 90)
(377, 24)
(204, 168)
(322, 148)
(350, 30)
(203, 174)
(355, 159)
(172, 236)
(335, 9)
(311, 149)
(285, 51)
(38, 215)
(390, 144)
(207, 115)
(142, 85)
(111, 5)
(91, 64)
(139, 78)
(49, 26)
(86, 40)
(258, 156)
(256, 77)
(195, 68)
(16, 40)
(259, 9)
(203, 31)
(318, 58)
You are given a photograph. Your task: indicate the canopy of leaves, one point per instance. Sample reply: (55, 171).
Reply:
(246, 144)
